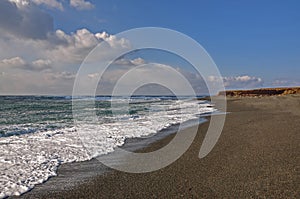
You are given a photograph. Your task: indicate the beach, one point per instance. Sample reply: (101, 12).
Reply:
(257, 156)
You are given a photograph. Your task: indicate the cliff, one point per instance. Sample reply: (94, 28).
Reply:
(261, 92)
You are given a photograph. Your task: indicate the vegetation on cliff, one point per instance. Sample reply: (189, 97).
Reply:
(261, 92)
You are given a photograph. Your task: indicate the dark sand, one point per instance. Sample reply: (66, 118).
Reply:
(257, 156)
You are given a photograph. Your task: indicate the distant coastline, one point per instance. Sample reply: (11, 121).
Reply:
(261, 92)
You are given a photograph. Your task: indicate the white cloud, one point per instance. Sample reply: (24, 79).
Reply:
(41, 64)
(74, 47)
(138, 61)
(60, 75)
(129, 62)
(81, 4)
(59, 48)
(49, 3)
(13, 62)
(54, 56)
(113, 41)
(20, 3)
(239, 82)
(33, 54)
(18, 62)
(93, 75)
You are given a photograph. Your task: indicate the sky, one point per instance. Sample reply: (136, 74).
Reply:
(43, 42)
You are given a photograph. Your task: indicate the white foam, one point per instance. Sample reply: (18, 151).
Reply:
(30, 159)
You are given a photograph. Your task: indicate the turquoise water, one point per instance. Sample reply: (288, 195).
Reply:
(29, 114)
(38, 133)
(19, 115)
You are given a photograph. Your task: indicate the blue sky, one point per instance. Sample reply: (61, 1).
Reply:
(259, 39)
(243, 37)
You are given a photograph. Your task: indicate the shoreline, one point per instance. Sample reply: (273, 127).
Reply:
(251, 159)
(72, 174)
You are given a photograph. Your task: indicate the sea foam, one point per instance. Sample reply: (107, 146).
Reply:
(30, 159)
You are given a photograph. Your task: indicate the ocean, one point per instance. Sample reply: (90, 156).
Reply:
(38, 133)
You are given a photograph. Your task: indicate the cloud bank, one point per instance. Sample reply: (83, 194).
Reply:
(24, 20)
(285, 82)
(37, 59)
(33, 53)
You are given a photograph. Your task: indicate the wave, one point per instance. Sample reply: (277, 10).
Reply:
(30, 159)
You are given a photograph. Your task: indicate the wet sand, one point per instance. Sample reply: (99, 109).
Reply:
(257, 156)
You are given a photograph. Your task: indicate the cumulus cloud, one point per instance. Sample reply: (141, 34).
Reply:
(56, 46)
(239, 82)
(59, 52)
(74, 47)
(33, 53)
(130, 62)
(81, 4)
(54, 56)
(18, 62)
(13, 62)
(71, 47)
(41, 64)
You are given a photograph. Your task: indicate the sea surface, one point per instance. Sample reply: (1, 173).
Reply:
(38, 133)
